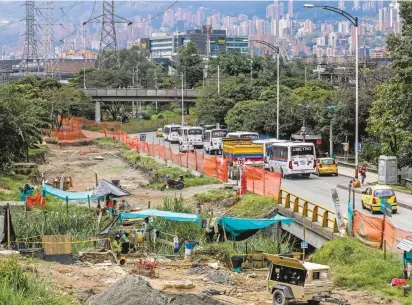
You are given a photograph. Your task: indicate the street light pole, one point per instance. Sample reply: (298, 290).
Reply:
(277, 50)
(355, 23)
(183, 108)
(218, 79)
(277, 97)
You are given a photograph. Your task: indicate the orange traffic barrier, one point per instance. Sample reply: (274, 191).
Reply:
(262, 182)
(368, 229)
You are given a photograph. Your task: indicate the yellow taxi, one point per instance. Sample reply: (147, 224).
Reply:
(372, 196)
(159, 132)
(326, 166)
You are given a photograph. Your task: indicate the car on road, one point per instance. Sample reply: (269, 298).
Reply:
(326, 166)
(159, 132)
(372, 196)
(185, 146)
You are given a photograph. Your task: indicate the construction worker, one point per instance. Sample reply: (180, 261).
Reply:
(149, 231)
(116, 245)
(124, 242)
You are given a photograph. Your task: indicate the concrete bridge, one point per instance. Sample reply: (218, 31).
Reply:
(313, 223)
(108, 96)
(141, 95)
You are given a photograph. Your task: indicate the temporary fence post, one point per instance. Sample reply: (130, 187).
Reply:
(383, 230)
(67, 205)
(148, 205)
(8, 227)
(264, 183)
(195, 161)
(384, 249)
(88, 201)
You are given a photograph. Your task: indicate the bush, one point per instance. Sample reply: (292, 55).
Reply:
(252, 206)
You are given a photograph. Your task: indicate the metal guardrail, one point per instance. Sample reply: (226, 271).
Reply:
(318, 214)
(140, 92)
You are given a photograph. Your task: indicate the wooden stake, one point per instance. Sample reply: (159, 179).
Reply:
(8, 227)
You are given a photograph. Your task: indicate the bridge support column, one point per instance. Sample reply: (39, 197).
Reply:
(97, 112)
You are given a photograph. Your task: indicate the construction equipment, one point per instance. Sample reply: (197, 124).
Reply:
(292, 281)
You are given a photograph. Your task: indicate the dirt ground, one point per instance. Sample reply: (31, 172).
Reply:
(83, 281)
(79, 163)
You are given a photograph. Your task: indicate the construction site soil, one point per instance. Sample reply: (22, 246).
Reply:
(113, 284)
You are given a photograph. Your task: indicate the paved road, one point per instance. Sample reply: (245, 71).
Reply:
(317, 190)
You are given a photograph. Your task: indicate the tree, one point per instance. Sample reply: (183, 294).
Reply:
(18, 125)
(190, 64)
(390, 116)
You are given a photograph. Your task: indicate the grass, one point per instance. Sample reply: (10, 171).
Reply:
(108, 142)
(10, 187)
(37, 151)
(159, 170)
(18, 287)
(214, 196)
(359, 267)
(252, 206)
(402, 188)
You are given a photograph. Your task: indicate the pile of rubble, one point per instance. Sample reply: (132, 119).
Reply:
(210, 272)
(133, 290)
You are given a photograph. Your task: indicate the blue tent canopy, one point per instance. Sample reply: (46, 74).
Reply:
(47, 189)
(164, 214)
(236, 226)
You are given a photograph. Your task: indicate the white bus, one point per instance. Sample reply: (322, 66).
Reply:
(243, 134)
(212, 140)
(267, 144)
(191, 134)
(170, 133)
(292, 158)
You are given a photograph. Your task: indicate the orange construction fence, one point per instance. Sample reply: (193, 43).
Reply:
(262, 182)
(374, 230)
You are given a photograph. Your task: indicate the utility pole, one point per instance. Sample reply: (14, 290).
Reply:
(277, 95)
(305, 76)
(30, 42)
(331, 139)
(108, 19)
(218, 79)
(156, 87)
(50, 64)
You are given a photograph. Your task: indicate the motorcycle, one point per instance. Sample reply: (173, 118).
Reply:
(172, 183)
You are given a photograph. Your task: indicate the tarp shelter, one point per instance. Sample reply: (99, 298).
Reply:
(163, 214)
(82, 196)
(105, 188)
(242, 228)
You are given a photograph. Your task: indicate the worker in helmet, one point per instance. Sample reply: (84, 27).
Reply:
(116, 245)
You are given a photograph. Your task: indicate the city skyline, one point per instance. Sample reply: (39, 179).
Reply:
(282, 20)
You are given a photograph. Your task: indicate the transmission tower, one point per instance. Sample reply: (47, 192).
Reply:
(108, 19)
(30, 42)
(50, 61)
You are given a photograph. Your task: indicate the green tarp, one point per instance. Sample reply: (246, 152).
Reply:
(237, 226)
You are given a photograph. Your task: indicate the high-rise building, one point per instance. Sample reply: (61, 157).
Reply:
(341, 4)
(343, 27)
(200, 16)
(270, 11)
(356, 5)
(333, 39)
(290, 8)
(284, 28)
(276, 15)
(308, 26)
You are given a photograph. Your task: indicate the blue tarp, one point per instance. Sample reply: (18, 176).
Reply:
(158, 213)
(47, 189)
(236, 226)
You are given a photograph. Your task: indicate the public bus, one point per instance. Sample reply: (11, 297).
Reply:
(191, 134)
(212, 140)
(170, 133)
(292, 158)
(267, 143)
(243, 134)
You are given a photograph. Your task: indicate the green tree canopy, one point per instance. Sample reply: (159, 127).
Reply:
(190, 64)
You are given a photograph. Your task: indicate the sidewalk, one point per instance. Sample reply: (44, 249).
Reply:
(404, 199)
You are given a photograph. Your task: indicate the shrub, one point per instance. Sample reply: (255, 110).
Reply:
(252, 206)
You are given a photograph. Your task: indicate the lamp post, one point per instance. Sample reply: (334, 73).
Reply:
(183, 105)
(277, 51)
(354, 21)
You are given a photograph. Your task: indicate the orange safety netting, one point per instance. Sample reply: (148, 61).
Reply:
(215, 167)
(68, 135)
(262, 182)
(393, 235)
(368, 229)
(36, 201)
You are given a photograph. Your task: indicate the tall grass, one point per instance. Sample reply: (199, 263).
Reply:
(10, 186)
(359, 267)
(18, 287)
(77, 221)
